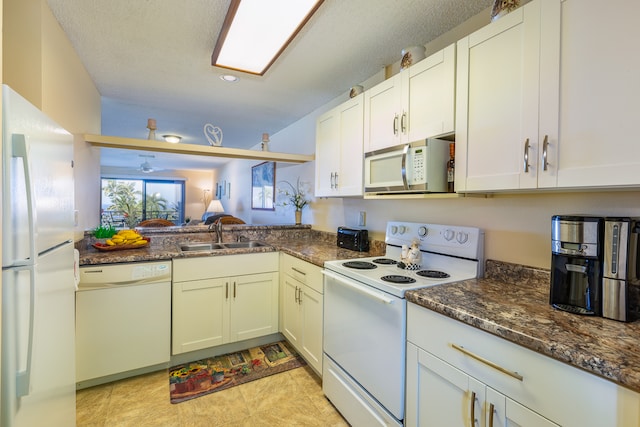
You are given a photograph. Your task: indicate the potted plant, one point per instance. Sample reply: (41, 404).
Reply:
(294, 196)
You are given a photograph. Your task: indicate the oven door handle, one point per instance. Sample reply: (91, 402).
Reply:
(361, 289)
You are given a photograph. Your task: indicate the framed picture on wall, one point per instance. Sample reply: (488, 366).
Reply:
(263, 179)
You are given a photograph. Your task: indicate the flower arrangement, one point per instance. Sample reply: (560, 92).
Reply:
(294, 196)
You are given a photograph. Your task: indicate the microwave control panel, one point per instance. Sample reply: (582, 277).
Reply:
(416, 173)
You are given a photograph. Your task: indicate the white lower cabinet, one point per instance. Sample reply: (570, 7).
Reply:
(447, 396)
(219, 300)
(458, 375)
(302, 303)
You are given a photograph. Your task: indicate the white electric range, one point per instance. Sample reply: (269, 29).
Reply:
(365, 315)
(449, 254)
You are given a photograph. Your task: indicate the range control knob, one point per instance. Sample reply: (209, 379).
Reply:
(422, 231)
(394, 229)
(402, 229)
(449, 234)
(462, 237)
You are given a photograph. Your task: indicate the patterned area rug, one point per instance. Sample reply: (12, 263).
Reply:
(222, 372)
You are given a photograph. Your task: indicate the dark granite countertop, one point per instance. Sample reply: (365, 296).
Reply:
(302, 242)
(513, 303)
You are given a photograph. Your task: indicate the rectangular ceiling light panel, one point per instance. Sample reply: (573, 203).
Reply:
(255, 32)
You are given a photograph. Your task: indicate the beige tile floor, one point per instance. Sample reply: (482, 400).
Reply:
(292, 398)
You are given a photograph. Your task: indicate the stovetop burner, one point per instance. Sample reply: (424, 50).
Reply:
(396, 278)
(359, 265)
(433, 274)
(385, 261)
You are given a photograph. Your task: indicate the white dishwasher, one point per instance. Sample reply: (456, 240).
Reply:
(123, 319)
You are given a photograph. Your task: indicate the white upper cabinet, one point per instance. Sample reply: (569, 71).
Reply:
(414, 104)
(507, 101)
(384, 120)
(339, 151)
(431, 103)
(599, 92)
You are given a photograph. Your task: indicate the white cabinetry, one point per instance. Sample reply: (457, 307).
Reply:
(218, 300)
(440, 387)
(599, 106)
(507, 101)
(339, 136)
(302, 303)
(414, 104)
(456, 373)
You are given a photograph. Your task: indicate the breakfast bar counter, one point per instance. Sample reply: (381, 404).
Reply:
(300, 241)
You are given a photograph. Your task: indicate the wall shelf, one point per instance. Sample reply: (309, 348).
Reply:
(198, 150)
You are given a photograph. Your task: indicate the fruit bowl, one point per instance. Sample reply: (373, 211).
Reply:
(107, 248)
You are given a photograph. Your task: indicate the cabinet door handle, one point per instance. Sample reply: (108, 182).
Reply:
(234, 289)
(472, 409)
(395, 124)
(300, 295)
(403, 125)
(526, 156)
(295, 295)
(226, 290)
(336, 184)
(487, 362)
(491, 411)
(331, 180)
(298, 271)
(545, 145)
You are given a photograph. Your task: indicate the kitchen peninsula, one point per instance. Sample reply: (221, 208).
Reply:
(300, 241)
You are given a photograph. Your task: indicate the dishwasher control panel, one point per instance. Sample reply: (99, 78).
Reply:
(146, 271)
(135, 273)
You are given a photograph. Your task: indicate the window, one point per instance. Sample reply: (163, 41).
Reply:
(126, 202)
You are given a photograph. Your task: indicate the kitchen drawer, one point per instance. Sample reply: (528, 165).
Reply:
(185, 269)
(548, 386)
(303, 271)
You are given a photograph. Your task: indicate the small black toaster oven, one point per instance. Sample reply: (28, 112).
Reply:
(353, 239)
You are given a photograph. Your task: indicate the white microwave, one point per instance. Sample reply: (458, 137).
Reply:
(417, 167)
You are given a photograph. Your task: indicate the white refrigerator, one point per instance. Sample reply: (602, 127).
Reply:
(38, 290)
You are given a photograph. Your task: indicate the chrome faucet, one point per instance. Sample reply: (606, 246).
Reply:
(217, 227)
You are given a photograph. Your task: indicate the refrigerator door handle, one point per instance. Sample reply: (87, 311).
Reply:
(22, 378)
(20, 150)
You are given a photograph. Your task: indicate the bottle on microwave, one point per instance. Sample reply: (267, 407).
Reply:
(451, 168)
(417, 167)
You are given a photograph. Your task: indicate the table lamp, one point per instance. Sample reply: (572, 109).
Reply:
(215, 207)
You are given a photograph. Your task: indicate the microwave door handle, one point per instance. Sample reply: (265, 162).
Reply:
(404, 166)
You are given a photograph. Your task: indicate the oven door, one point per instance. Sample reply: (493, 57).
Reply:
(364, 334)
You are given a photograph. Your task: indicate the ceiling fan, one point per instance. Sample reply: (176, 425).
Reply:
(146, 167)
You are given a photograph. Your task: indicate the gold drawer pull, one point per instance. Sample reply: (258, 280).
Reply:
(299, 271)
(487, 362)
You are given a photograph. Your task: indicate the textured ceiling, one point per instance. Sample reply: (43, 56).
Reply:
(151, 58)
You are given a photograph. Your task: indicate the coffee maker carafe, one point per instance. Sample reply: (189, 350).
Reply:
(576, 264)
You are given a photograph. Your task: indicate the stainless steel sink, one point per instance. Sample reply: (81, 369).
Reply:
(207, 246)
(249, 244)
(189, 247)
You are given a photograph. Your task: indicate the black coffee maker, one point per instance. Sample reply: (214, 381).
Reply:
(576, 264)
